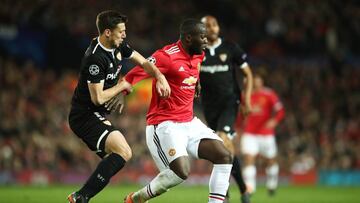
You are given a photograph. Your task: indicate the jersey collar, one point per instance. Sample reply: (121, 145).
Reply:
(102, 46)
(216, 45)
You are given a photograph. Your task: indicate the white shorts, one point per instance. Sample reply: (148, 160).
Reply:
(170, 140)
(254, 144)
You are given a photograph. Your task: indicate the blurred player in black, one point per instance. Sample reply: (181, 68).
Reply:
(99, 86)
(220, 91)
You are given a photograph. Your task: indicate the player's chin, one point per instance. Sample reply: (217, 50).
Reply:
(117, 44)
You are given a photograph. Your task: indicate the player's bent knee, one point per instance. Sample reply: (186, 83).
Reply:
(225, 157)
(126, 154)
(116, 143)
(249, 160)
(228, 158)
(182, 173)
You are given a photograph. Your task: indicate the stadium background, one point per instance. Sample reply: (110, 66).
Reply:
(309, 49)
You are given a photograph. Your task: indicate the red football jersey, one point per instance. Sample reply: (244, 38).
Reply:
(182, 72)
(266, 105)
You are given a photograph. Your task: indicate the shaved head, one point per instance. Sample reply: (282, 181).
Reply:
(193, 36)
(212, 28)
(190, 26)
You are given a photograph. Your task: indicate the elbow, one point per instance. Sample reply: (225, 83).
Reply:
(97, 101)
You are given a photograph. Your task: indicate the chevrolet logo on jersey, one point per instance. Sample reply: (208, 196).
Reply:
(190, 80)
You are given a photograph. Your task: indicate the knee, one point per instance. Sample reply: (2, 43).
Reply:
(125, 153)
(249, 160)
(182, 172)
(228, 157)
(225, 157)
(271, 162)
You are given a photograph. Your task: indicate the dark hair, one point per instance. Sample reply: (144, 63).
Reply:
(189, 26)
(109, 20)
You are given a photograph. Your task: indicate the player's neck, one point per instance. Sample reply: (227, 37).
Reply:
(105, 43)
(211, 43)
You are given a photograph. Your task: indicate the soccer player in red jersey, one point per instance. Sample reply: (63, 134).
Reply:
(258, 134)
(172, 132)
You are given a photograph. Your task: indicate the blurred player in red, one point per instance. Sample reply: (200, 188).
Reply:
(172, 132)
(258, 134)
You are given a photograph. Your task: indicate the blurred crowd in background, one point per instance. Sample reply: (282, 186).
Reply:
(309, 50)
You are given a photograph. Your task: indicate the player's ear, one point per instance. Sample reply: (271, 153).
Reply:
(188, 38)
(107, 33)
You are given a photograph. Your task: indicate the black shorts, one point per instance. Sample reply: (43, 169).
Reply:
(90, 127)
(221, 117)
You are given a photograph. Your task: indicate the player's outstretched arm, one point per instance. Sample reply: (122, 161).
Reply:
(162, 86)
(100, 96)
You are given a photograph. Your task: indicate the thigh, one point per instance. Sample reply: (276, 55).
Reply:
(211, 115)
(267, 146)
(249, 144)
(227, 119)
(198, 131)
(90, 127)
(116, 143)
(166, 142)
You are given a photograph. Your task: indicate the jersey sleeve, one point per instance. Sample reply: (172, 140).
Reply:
(277, 107)
(125, 50)
(159, 59)
(240, 57)
(94, 69)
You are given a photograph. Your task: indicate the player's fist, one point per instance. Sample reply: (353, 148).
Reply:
(162, 86)
(125, 86)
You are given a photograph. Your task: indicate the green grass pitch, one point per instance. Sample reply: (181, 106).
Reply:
(183, 194)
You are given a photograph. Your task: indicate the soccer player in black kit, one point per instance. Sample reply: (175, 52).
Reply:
(99, 85)
(220, 92)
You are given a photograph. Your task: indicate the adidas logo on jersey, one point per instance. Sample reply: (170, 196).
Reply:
(181, 69)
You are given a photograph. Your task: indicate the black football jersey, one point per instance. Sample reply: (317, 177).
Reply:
(218, 72)
(98, 64)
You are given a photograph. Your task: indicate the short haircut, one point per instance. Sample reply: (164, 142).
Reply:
(109, 20)
(189, 26)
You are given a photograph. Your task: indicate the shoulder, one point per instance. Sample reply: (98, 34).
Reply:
(166, 52)
(269, 92)
(171, 49)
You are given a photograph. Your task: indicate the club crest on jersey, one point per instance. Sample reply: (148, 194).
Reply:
(190, 80)
(118, 56)
(172, 152)
(152, 59)
(94, 69)
(223, 57)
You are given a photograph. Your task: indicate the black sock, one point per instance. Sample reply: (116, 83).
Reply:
(236, 173)
(108, 167)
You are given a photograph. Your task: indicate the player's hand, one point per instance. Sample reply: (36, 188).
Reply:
(162, 86)
(227, 142)
(116, 104)
(271, 124)
(245, 109)
(125, 86)
(197, 90)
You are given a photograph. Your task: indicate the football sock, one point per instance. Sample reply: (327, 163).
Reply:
(249, 173)
(219, 182)
(108, 167)
(236, 173)
(272, 173)
(165, 180)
